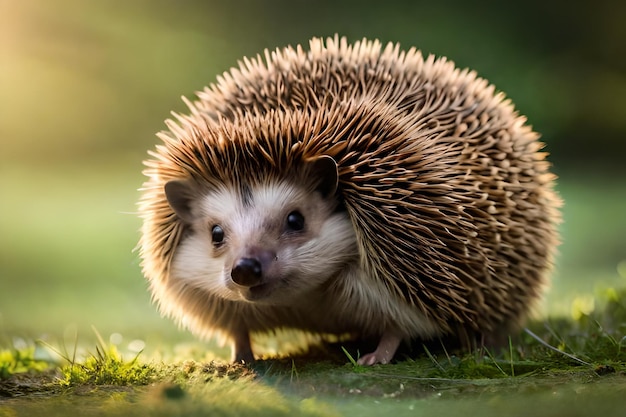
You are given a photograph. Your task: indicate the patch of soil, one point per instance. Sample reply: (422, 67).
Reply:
(30, 384)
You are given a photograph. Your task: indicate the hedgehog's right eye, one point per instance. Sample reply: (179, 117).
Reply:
(217, 234)
(295, 221)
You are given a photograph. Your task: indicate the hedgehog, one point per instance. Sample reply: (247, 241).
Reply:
(351, 189)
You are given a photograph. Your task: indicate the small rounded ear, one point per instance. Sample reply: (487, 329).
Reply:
(325, 169)
(180, 195)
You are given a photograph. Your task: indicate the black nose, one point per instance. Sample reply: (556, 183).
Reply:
(247, 272)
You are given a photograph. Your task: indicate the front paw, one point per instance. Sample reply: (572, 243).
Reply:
(242, 350)
(243, 357)
(385, 351)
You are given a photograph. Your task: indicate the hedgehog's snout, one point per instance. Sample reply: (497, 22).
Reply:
(252, 268)
(248, 272)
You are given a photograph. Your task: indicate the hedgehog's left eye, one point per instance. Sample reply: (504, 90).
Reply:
(217, 234)
(295, 221)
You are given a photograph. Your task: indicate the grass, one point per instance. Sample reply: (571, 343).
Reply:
(563, 366)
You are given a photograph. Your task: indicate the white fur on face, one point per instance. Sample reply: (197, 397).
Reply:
(303, 260)
(194, 264)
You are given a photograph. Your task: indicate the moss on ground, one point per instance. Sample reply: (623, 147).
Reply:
(107, 367)
(16, 361)
(556, 362)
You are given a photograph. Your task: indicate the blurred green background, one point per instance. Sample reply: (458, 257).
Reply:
(85, 85)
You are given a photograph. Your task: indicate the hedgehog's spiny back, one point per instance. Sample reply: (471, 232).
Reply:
(296, 79)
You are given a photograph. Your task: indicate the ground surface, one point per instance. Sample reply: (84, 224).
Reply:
(582, 373)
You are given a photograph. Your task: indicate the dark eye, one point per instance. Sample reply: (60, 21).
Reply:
(295, 221)
(217, 234)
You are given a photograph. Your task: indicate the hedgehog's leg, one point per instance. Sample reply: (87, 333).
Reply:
(242, 350)
(387, 347)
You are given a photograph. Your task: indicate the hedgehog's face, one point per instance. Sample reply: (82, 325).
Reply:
(271, 243)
